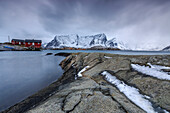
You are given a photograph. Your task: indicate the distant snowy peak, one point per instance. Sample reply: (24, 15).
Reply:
(111, 43)
(99, 39)
(84, 41)
(114, 43)
(166, 48)
(90, 41)
(65, 40)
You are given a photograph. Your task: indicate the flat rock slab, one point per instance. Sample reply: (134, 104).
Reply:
(92, 93)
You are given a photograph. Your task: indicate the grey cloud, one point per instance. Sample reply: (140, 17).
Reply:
(128, 20)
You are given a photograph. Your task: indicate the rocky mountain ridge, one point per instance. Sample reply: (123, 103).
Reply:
(76, 41)
(166, 48)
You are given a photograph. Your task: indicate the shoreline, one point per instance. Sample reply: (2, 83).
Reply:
(35, 99)
(67, 78)
(41, 95)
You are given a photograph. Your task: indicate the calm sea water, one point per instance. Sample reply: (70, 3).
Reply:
(24, 73)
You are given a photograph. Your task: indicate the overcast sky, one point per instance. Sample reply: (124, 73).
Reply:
(135, 22)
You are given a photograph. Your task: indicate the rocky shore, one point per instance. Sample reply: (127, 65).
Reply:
(84, 89)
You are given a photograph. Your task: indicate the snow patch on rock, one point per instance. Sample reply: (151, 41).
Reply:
(131, 92)
(107, 57)
(84, 69)
(153, 71)
(158, 67)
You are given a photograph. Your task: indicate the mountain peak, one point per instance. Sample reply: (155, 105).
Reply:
(78, 41)
(166, 48)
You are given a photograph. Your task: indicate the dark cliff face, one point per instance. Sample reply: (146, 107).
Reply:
(98, 39)
(112, 43)
(54, 42)
(166, 48)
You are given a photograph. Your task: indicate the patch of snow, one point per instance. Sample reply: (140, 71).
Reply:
(147, 97)
(131, 92)
(107, 57)
(158, 67)
(84, 69)
(86, 56)
(165, 111)
(151, 71)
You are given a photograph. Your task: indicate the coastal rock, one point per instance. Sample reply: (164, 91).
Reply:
(71, 101)
(93, 93)
(86, 95)
(98, 103)
(158, 90)
(62, 54)
(49, 53)
(119, 65)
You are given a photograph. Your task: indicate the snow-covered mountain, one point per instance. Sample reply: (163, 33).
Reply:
(147, 46)
(84, 41)
(166, 48)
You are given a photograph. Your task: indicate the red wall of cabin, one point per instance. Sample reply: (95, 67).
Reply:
(13, 42)
(22, 43)
(28, 44)
(17, 43)
(37, 45)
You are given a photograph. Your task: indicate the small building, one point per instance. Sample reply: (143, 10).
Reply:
(33, 43)
(18, 42)
(27, 43)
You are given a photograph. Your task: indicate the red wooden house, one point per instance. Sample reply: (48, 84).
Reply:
(18, 42)
(33, 43)
(27, 43)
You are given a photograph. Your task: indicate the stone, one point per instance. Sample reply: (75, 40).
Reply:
(71, 101)
(98, 103)
(92, 93)
(158, 90)
(49, 53)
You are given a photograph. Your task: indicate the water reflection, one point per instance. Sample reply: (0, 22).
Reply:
(24, 73)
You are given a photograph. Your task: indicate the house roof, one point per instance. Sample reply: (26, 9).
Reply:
(28, 40)
(18, 40)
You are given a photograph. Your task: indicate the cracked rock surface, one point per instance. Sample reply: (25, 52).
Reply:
(93, 94)
(85, 95)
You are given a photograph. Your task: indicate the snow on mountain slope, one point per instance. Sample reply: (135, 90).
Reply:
(146, 47)
(63, 40)
(111, 43)
(166, 48)
(84, 41)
